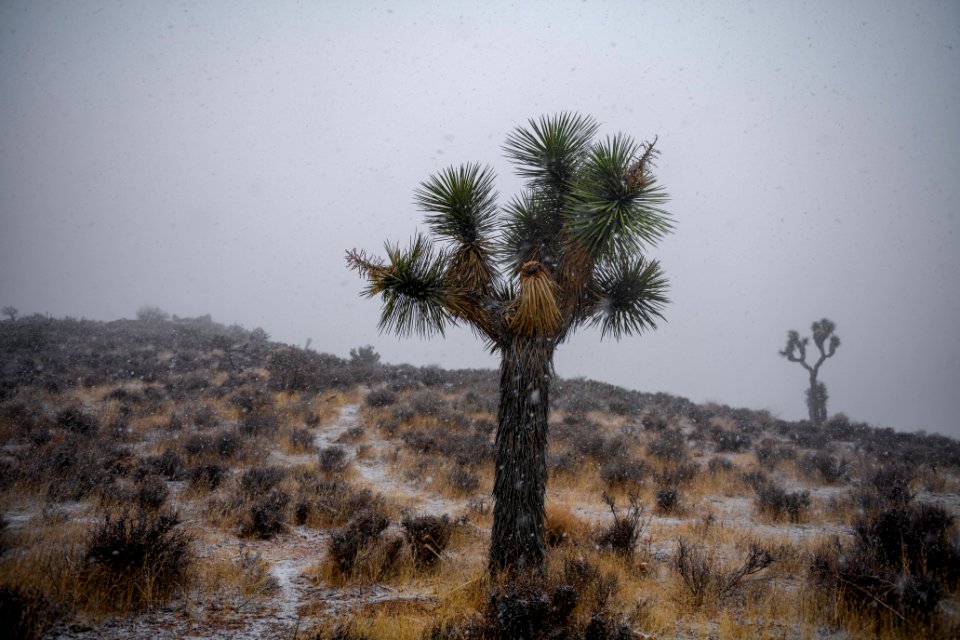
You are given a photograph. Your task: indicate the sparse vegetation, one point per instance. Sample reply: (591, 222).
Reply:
(861, 521)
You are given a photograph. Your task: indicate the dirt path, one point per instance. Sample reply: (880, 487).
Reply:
(374, 467)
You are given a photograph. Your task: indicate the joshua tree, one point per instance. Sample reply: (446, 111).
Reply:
(566, 253)
(796, 351)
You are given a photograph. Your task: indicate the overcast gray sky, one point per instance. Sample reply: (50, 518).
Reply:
(219, 157)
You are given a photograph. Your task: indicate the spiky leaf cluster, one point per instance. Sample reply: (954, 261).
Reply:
(565, 252)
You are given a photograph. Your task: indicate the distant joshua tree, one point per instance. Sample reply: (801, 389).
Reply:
(566, 253)
(11, 312)
(796, 351)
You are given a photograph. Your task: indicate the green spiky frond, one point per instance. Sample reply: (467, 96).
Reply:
(413, 285)
(588, 212)
(530, 231)
(616, 203)
(550, 150)
(631, 296)
(460, 203)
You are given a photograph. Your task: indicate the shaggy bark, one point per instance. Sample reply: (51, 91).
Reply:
(526, 370)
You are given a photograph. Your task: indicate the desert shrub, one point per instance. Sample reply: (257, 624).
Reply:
(914, 538)
(27, 614)
(839, 427)
(804, 434)
(668, 500)
(381, 398)
(257, 481)
(729, 441)
(427, 536)
(617, 446)
(251, 400)
(151, 493)
(198, 444)
(622, 535)
(524, 609)
(351, 435)
(428, 403)
(462, 481)
(589, 443)
(902, 562)
(266, 516)
(678, 473)
(775, 502)
(668, 445)
(302, 440)
(468, 449)
(347, 543)
(756, 479)
(168, 464)
(263, 423)
(653, 422)
(546, 607)
(333, 459)
(704, 577)
(332, 502)
(891, 483)
(75, 469)
(77, 421)
(564, 462)
(148, 553)
(484, 427)
(228, 444)
(623, 471)
(421, 441)
(823, 465)
(719, 464)
(769, 453)
(207, 476)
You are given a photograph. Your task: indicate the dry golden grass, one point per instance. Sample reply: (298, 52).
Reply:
(780, 603)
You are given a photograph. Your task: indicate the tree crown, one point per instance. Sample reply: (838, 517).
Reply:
(565, 252)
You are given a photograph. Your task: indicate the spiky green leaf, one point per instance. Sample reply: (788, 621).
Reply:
(414, 290)
(550, 150)
(631, 296)
(460, 203)
(613, 212)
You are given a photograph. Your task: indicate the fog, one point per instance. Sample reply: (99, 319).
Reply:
(220, 157)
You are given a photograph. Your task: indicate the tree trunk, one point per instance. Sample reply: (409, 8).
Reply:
(816, 400)
(813, 409)
(520, 479)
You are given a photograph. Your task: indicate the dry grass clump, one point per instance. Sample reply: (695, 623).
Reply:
(137, 559)
(427, 536)
(333, 460)
(322, 503)
(300, 440)
(904, 560)
(705, 578)
(777, 503)
(129, 561)
(623, 534)
(358, 550)
(562, 526)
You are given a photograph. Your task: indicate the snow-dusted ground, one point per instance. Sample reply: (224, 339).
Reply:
(296, 602)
